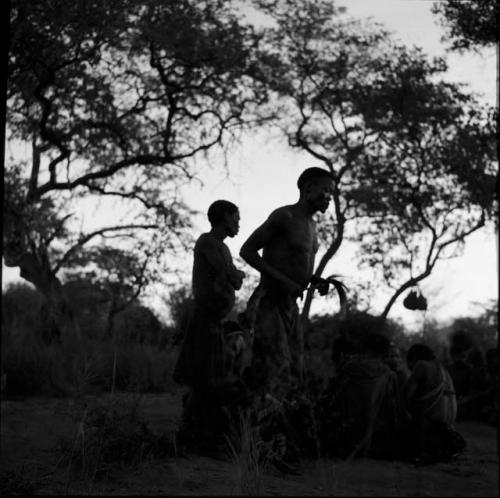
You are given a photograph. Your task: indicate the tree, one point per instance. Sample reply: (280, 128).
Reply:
(468, 24)
(480, 331)
(122, 274)
(179, 302)
(436, 189)
(412, 156)
(117, 99)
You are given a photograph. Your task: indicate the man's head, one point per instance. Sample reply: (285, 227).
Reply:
(225, 214)
(376, 345)
(419, 352)
(393, 357)
(316, 188)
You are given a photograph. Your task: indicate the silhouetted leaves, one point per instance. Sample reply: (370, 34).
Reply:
(414, 156)
(468, 24)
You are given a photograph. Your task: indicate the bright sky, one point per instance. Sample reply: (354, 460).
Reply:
(264, 172)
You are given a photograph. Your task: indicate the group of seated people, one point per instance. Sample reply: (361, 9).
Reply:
(386, 409)
(377, 404)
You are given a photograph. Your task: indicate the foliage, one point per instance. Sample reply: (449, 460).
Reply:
(480, 332)
(112, 433)
(138, 360)
(118, 99)
(125, 84)
(137, 324)
(179, 302)
(121, 273)
(468, 24)
(21, 305)
(413, 156)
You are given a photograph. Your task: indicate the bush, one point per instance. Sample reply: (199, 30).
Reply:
(33, 367)
(138, 360)
(21, 307)
(111, 433)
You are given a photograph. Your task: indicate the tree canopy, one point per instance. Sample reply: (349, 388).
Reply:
(117, 99)
(469, 24)
(413, 156)
(121, 100)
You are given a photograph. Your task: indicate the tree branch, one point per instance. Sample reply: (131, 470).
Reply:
(86, 238)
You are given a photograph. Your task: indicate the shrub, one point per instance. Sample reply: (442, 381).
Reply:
(112, 432)
(34, 366)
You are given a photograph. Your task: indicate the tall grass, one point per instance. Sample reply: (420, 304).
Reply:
(248, 457)
(67, 368)
(110, 433)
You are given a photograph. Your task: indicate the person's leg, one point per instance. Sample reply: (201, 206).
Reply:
(188, 433)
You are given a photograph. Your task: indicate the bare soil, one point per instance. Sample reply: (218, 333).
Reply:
(31, 463)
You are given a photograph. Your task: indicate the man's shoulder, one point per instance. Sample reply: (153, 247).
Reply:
(204, 237)
(205, 240)
(282, 214)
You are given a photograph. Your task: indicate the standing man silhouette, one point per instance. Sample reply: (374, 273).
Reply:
(288, 241)
(203, 362)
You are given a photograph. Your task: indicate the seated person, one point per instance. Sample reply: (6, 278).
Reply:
(395, 362)
(369, 403)
(460, 371)
(432, 405)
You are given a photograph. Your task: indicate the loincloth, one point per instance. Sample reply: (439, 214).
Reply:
(275, 349)
(202, 359)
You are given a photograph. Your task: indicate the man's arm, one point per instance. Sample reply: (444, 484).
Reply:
(236, 277)
(257, 241)
(220, 259)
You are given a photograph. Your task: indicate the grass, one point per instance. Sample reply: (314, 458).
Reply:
(248, 458)
(111, 434)
(110, 431)
(32, 367)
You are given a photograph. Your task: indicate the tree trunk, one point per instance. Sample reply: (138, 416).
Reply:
(37, 271)
(113, 310)
(304, 318)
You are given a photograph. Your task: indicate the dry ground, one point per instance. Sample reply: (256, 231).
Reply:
(31, 428)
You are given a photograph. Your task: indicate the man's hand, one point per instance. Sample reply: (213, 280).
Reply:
(322, 288)
(241, 275)
(236, 278)
(321, 285)
(295, 289)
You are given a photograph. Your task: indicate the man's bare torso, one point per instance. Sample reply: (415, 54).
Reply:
(292, 247)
